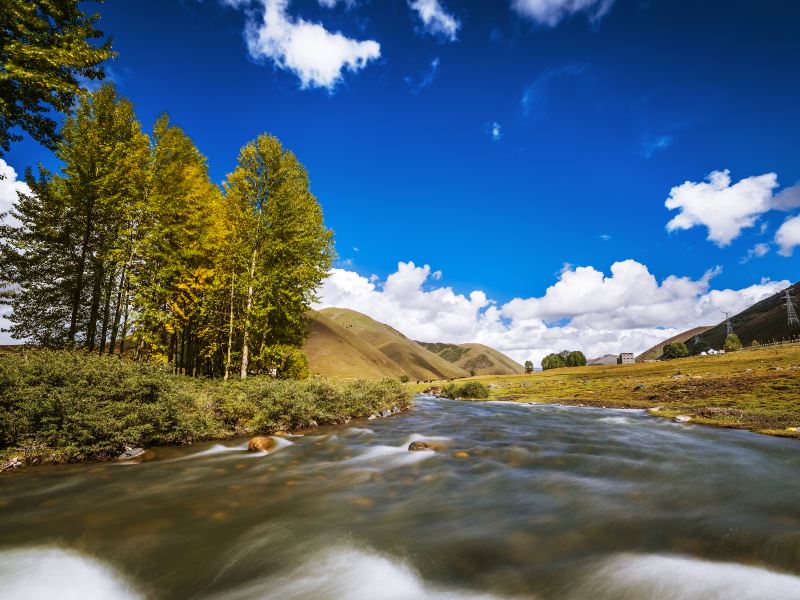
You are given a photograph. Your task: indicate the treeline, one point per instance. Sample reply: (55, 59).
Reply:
(565, 358)
(132, 248)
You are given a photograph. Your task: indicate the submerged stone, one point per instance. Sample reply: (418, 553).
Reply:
(261, 443)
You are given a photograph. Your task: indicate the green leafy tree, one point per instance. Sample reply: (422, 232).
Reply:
(576, 359)
(732, 343)
(553, 361)
(65, 258)
(675, 350)
(295, 366)
(282, 249)
(45, 50)
(528, 366)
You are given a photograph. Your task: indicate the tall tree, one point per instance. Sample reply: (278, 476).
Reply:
(44, 51)
(283, 249)
(76, 226)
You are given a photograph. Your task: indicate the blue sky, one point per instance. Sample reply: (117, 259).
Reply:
(499, 141)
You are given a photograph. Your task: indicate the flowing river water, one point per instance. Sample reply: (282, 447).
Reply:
(522, 501)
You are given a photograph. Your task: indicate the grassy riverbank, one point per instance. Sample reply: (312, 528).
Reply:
(755, 389)
(58, 406)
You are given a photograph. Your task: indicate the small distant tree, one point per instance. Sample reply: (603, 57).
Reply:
(576, 359)
(553, 361)
(472, 372)
(404, 378)
(732, 343)
(675, 350)
(755, 344)
(528, 366)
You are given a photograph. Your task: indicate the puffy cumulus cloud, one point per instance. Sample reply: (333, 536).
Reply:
(317, 56)
(726, 209)
(552, 12)
(9, 186)
(435, 19)
(723, 208)
(788, 236)
(629, 310)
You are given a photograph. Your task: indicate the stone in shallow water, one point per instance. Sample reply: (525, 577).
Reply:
(682, 419)
(261, 443)
(421, 445)
(131, 453)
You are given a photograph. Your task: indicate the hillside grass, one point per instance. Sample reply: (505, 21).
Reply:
(754, 389)
(59, 406)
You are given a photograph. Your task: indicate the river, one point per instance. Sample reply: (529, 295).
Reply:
(524, 501)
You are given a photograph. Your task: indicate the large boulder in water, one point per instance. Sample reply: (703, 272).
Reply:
(421, 445)
(261, 443)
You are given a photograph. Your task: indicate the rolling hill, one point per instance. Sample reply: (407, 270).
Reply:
(481, 359)
(656, 351)
(396, 354)
(765, 321)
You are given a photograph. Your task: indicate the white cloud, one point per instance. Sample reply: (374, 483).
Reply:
(630, 310)
(756, 251)
(788, 236)
(427, 79)
(551, 12)
(652, 145)
(435, 19)
(9, 186)
(494, 131)
(317, 56)
(723, 208)
(787, 199)
(605, 237)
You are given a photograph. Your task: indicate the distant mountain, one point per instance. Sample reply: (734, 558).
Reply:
(475, 357)
(765, 321)
(346, 343)
(606, 359)
(656, 351)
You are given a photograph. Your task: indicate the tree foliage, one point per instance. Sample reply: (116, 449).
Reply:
(675, 350)
(528, 366)
(45, 50)
(732, 343)
(576, 358)
(132, 246)
(553, 361)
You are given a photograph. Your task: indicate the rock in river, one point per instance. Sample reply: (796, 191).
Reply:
(682, 419)
(421, 445)
(131, 453)
(261, 443)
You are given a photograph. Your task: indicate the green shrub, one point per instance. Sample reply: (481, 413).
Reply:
(528, 366)
(295, 366)
(64, 406)
(470, 389)
(404, 378)
(732, 343)
(553, 361)
(675, 350)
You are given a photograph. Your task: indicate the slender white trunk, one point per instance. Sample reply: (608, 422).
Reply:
(230, 336)
(245, 339)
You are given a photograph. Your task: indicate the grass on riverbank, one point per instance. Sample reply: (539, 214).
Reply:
(58, 406)
(755, 389)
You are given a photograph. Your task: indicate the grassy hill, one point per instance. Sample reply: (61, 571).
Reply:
(756, 389)
(765, 321)
(656, 351)
(334, 351)
(408, 356)
(475, 357)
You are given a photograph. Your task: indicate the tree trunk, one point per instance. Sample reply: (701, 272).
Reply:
(91, 329)
(106, 311)
(78, 292)
(124, 319)
(117, 312)
(245, 351)
(230, 334)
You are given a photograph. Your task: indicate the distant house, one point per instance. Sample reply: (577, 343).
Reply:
(626, 358)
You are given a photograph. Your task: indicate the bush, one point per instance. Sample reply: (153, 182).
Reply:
(60, 406)
(404, 378)
(675, 350)
(470, 389)
(553, 361)
(295, 366)
(732, 343)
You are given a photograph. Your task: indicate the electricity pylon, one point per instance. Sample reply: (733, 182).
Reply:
(728, 324)
(790, 310)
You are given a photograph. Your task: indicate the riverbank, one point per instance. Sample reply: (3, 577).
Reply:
(757, 389)
(59, 406)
